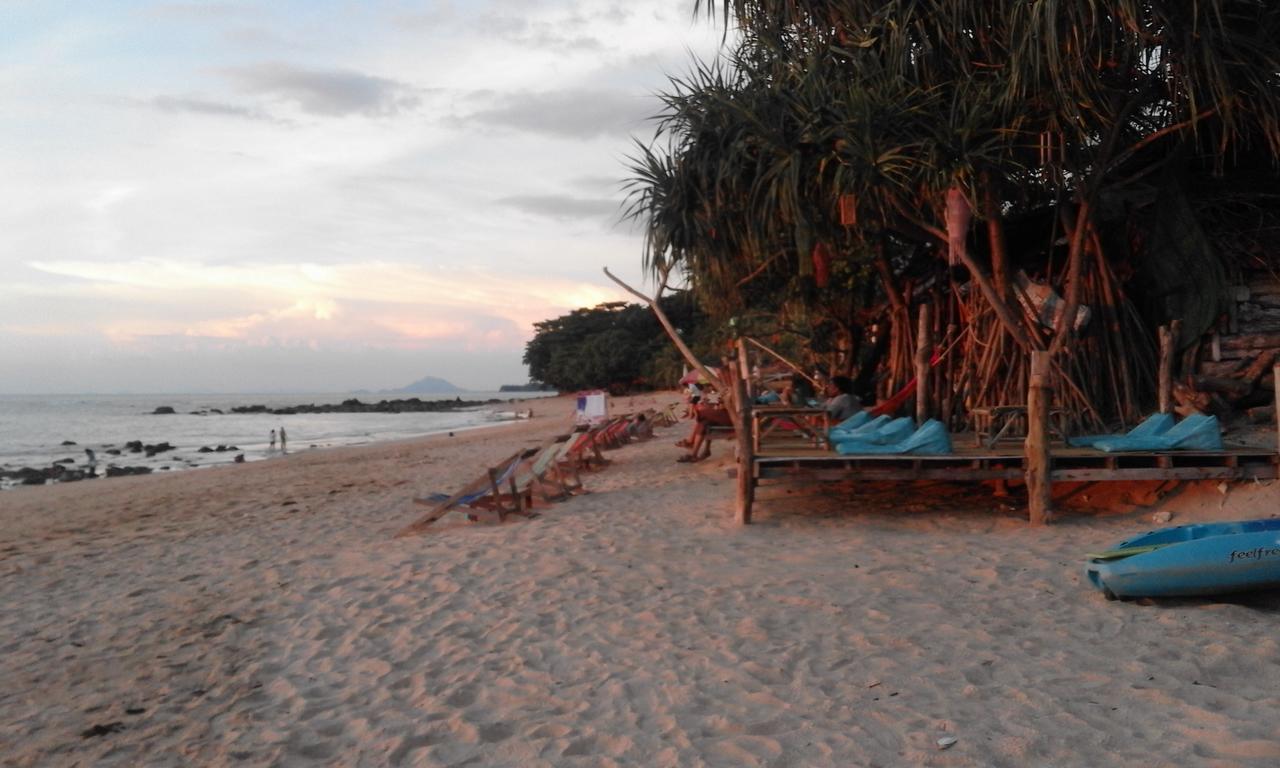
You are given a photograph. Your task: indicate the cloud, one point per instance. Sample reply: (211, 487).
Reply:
(381, 303)
(328, 93)
(583, 114)
(185, 104)
(563, 206)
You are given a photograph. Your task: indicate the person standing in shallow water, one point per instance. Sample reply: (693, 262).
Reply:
(273, 440)
(91, 462)
(283, 439)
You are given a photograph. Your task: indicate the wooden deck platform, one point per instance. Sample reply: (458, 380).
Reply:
(973, 464)
(788, 464)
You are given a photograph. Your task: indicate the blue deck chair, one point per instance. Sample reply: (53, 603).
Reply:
(1194, 433)
(485, 492)
(1156, 424)
(931, 439)
(888, 433)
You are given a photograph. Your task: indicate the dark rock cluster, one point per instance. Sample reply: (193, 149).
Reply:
(354, 405)
(136, 446)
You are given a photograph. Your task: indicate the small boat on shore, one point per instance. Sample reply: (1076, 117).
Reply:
(1191, 560)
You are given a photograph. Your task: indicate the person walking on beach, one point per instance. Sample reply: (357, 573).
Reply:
(283, 438)
(273, 440)
(91, 462)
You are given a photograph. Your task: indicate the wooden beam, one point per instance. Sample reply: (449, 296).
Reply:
(1039, 482)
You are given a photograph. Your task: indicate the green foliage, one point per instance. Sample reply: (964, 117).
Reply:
(616, 346)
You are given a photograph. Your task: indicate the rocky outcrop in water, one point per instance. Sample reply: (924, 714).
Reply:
(353, 405)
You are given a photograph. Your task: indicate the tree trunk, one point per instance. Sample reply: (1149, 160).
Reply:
(957, 232)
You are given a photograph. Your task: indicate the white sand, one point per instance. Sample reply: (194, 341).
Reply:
(261, 614)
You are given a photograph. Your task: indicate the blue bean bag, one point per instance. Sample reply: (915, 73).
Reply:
(1156, 424)
(889, 432)
(1194, 433)
(931, 439)
(850, 424)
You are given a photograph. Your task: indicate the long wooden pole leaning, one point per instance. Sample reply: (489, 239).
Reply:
(1039, 487)
(687, 353)
(782, 360)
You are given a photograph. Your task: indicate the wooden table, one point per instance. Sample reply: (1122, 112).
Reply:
(809, 424)
(991, 424)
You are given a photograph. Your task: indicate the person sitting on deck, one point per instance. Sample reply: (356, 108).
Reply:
(798, 392)
(841, 403)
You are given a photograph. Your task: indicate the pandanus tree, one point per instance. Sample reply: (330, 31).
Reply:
(921, 118)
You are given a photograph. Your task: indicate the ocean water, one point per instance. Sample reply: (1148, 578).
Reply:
(33, 428)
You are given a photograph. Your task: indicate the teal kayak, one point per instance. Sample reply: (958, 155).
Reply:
(1190, 560)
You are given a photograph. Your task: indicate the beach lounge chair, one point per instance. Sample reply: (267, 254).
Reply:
(1156, 424)
(931, 439)
(495, 491)
(889, 432)
(1194, 433)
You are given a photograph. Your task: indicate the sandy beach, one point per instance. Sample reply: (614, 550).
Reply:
(262, 614)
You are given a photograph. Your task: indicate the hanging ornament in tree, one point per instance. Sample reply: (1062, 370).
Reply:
(821, 264)
(848, 211)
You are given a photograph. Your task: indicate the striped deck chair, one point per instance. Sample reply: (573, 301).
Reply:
(485, 493)
(614, 434)
(541, 473)
(583, 452)
(667, 417)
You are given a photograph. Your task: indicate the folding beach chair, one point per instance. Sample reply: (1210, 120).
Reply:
(542, 474)
(583, 452)
(494, 492)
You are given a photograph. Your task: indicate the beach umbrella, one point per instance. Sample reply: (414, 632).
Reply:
(696, 377)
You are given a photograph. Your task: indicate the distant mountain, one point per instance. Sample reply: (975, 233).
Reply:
(427, 385)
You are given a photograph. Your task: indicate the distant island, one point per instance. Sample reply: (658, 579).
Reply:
(427, 385)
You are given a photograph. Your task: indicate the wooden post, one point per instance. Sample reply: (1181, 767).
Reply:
(744, 367)
(1275, 383)
(1039, 487)
(948, 378)
(1164, 387)
(1169, 336)
(924, 349)
(746, 459)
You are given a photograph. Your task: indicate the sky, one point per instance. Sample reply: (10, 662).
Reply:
(315, 195)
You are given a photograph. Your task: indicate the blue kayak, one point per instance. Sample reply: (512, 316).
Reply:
(1198, 559)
